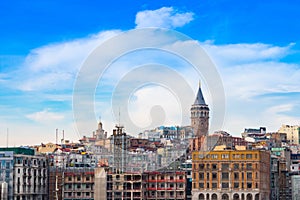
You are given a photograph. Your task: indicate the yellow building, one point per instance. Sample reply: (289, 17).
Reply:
(231, 174)
(47, 148)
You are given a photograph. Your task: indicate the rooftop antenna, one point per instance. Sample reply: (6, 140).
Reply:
(56, 136)
(63, 137)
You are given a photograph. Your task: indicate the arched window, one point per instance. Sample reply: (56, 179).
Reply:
(236, 196)
(214, 196)
(225, 197)
(201, 196)
(249, 197)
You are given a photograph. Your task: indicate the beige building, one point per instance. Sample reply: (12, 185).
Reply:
(292, 133)
(78, 183)
(47, 148)
(231, 174)
(125, 186)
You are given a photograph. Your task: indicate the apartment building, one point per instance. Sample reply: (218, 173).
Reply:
(292, 132)
(25, 173)
(169, 184)
(231, 174)
(78, 183)
(125, 186)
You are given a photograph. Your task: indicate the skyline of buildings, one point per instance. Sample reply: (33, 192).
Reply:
(182, 163)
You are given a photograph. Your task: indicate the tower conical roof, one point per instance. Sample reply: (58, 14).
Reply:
(199, 98)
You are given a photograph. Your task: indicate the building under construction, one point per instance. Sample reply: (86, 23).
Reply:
(78, 183)
(120, 141)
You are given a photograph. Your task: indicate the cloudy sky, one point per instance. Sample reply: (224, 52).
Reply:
(44, 45)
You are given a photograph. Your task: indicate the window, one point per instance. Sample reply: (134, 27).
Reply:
(207, 175)
(249, 185)
(201, 185)
(214, 166)
(225, 156)
(236, 166)
(236, 176)
(249, 175)
(236, 185)
(214, 156)
(225, 176)
(214, 176)
(214, 185)
(207, 166)
(242, 156)
(236, 156)
(201, 175)
(249, 166)
(249, 156)
(225, 166)
(207, 185)
(201, 166)
(225, 185)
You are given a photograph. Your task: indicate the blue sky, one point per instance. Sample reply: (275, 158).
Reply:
(254, 44)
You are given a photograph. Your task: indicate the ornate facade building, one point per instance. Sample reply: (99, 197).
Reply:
(231, 174)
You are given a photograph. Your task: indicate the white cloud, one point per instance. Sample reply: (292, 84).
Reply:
(144, 110)
(54, 66)
(249, 72)
(165, 17)
(45, 116)
(245, 52)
